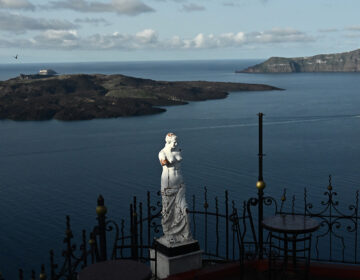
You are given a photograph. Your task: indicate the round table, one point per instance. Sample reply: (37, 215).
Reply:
(116, 270)
(294, 224)
(296, 230)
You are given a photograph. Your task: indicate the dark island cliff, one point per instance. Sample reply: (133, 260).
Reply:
(339, 62)
(84, 97)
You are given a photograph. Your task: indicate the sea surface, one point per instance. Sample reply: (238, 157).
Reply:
(49, 169)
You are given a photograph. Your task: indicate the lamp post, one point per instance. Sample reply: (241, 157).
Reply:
(260, 185)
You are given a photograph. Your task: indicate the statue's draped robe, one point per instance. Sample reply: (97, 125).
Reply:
(175, 221)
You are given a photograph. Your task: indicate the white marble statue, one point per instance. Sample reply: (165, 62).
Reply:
(175, 221)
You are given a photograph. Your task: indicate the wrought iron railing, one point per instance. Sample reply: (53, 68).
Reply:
(220, 233)
(337, 238)
(226, 231)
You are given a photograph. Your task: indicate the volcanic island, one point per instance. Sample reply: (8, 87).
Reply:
(85, 97)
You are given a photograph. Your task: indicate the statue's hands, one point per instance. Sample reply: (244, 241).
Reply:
(164, 162)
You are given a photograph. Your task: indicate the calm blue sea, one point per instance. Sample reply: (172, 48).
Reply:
(50, 169)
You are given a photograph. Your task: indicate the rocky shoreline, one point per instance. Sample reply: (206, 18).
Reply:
(84, 97)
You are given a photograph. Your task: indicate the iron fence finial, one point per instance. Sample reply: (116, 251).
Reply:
(101, 210)
(42, 275)
(330, 186)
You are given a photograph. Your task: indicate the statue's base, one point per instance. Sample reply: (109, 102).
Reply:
(175, 258)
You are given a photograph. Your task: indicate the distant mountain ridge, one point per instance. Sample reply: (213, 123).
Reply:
(338, 62)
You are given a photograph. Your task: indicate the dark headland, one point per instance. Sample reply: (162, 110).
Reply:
(339, 62)
(84, 97)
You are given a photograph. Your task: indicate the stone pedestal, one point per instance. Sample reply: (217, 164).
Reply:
(176, 258)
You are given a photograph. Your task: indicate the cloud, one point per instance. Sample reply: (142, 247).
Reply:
(279, 35)
(353, 28)
(192, 8)
(229, 4)
(149, 39)
(59, 38)
(177, 1)
(352, 35)
(238, 39)
(94, 21)
(328, 30)
(49, 39)
(146, 39)
(122, 7)
(20, 24)
(16, 5)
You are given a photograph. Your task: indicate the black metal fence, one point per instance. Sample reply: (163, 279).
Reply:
(337, 238)
(221, 229)
(226, 231)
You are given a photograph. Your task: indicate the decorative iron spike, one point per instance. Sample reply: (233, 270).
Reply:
(293, 205)
(283, 197)
(206, 204)
(53, 266)
(330, 186)
(21, 274)
(100, 208)
(83, 235)
(68, 231)
(67, 222)
(100, 200)
(42, 275)
(92, 239)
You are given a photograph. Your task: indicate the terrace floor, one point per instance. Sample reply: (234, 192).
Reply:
(258, 271)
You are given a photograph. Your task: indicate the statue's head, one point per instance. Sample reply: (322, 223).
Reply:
(171, 140)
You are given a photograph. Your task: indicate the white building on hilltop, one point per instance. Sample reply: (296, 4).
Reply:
(47, 72)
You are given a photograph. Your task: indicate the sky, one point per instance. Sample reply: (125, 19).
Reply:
(153, 30)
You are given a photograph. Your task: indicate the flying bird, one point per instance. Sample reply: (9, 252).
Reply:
(16, 56)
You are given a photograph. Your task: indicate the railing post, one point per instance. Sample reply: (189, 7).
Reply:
(227, 223)
(84, 249)
(356, 225)
(141, 230)
(148, 220)
(101, 211)
(52, 265)
(67, 240)
(42, 275)
(93, 247)
(260, 185)
(206, 206)
(136, 235)
(132, 231)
